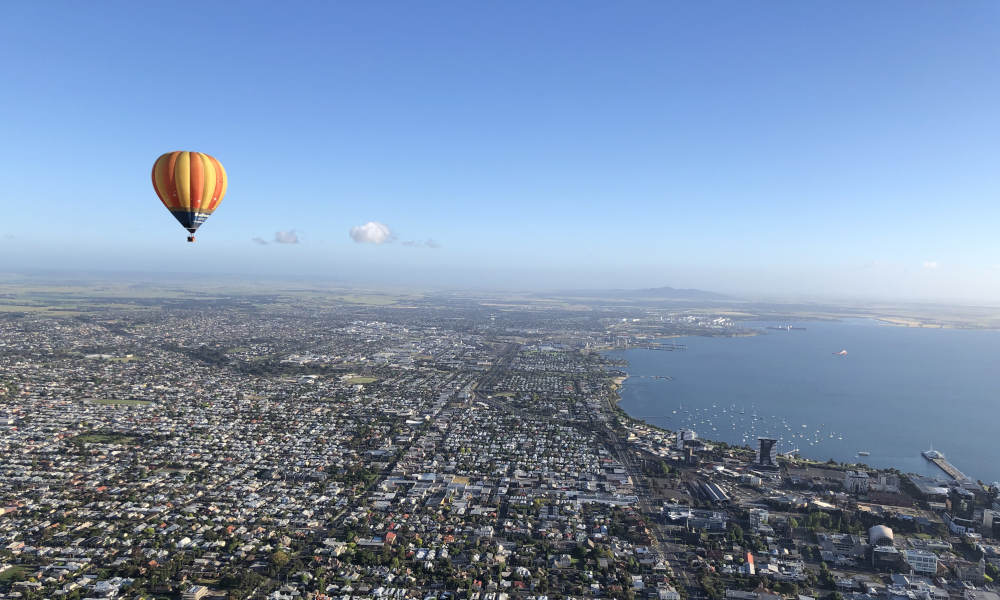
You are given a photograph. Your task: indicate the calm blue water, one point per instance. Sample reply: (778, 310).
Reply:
(898, 391)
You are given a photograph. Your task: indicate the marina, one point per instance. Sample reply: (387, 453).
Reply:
(744, 428)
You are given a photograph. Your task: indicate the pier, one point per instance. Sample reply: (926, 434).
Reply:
(942, 463)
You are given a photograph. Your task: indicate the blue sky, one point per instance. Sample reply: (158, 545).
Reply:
(785, 148)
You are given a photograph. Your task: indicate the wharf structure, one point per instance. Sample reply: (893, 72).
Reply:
(942, 463)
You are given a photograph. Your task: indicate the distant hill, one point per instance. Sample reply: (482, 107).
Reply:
(660, 293)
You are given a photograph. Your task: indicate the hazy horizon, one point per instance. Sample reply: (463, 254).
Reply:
(235, 281)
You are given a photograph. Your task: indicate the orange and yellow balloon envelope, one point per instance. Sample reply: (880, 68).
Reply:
(191, 185)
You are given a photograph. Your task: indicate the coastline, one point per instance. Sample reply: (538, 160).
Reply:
(896, 322)
(845, 461)
(648, 343)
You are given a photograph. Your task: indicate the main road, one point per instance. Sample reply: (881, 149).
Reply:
(655, 528)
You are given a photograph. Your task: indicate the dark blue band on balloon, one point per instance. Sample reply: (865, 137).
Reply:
(189, 219)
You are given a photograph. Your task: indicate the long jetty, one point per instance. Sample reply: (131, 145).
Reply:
(948, 468)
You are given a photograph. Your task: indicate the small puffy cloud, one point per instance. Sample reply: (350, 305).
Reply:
(428, 243)
(372, 232)
(931, 264)
(286, 237)
(259, 241)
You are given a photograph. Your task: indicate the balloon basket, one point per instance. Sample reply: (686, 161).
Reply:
(190, 238)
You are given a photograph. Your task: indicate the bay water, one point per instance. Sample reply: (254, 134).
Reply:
(896, 392)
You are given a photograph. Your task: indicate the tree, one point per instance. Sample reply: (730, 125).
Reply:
(711, 587)
(736, 534)
(787, 588)
(280, 558)
(826, 577)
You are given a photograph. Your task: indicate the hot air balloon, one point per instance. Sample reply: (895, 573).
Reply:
(191, 185)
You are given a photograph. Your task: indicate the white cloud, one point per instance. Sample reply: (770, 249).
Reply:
(931, 264)
(372, 232)
(428, 243)
(259, 240)
(286, 237)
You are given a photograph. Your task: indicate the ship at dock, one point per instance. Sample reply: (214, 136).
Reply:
(932, 454)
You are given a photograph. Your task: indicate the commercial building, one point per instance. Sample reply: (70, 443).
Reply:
(885, 556)
(767, 453)
(758, 517)
(685, 435)
(923, 562)
(842, 545)
(856, 482)
(195, 592)
(972, 572)
(886, 482)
